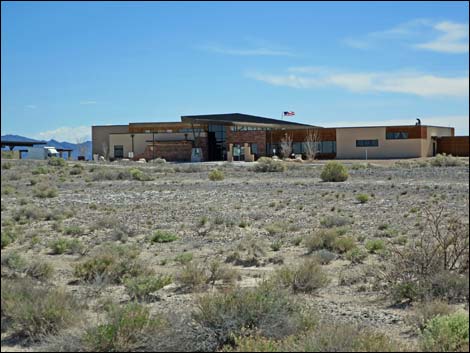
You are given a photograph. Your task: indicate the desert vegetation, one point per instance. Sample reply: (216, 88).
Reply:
(271, 256)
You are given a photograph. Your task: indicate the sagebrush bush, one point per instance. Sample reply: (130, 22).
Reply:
(334, 221)
(248, 252)
(266, 164)
(324, 257)
(56, 162)
(325, 337)
(375, 245)
(66, 246)
(197, 275)
(216, 175)
(34, 311)
(45, 190)
(356, 255)
(334, 171)
(306, 277)
(161, 236)
(127, 329)
(141, 287)
(362, 198)
(40, 270)
(111, 263)
(344, 244)
(265, 309)
(137, 174)
(8, 236)
(443, 160)
(427, 310)
(322, 239)
(447, 333)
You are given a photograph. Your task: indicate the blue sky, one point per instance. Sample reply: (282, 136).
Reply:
(67, 66)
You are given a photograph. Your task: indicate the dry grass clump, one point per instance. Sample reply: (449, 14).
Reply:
(32, 310)
(444, 160)
(45, 190)
(141, 287)
(66, 246)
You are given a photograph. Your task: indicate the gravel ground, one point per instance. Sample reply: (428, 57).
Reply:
(211, 217)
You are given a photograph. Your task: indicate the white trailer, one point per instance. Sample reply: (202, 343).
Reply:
(44, 152)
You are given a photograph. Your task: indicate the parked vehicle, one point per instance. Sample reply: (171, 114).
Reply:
(43, 152)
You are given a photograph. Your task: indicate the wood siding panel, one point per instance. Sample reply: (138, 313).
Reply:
(454, 145)
(326, 134)
(414, 132)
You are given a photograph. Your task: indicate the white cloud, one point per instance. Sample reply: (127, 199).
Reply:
(459, 122)
(424, 85)
(445, 37)
(454, 38)
(87, 102)
(65, 133)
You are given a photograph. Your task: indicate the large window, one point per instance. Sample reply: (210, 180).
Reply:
(367, 143)
(118, 151)
(248, 128)
(400, 135)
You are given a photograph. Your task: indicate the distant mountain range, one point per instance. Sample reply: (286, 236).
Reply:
(53, 143)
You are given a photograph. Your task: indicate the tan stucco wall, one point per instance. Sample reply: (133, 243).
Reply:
(100, 134)
(346, 144)
(433, 131)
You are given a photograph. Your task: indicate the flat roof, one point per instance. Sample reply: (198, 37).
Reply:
(239, 118)
(376, 126)
(13, 143)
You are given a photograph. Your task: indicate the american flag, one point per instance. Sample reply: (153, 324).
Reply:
(289, 113)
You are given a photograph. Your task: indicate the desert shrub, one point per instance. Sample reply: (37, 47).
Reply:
(334, 171)
(325, 337)
(77, 169)
(197, 275)
(111, 263)
(266, 309)
(14, 261)
(334, 221)
(8, 236)
(356, 255)
(276, 245)
(216, 175)
(121, 232)
(6, 165)
(265, 164)
(8, 189)
(40, 170)
(141, 287)
(137, 174)
(425, 311)
(56, 162)
(127, 329)
(184, 258)
(344, 244)
(161, 236)
(73, 230)
(306, 277)
(45, 191)
(66, 245)
(28, 213)
(447, 333)
(434, 263)
(443, 160)
(375, 245)
(34, 311)
(324, 256)
(322, 239)
(247, 253)
(40, 270)
(362, 198)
